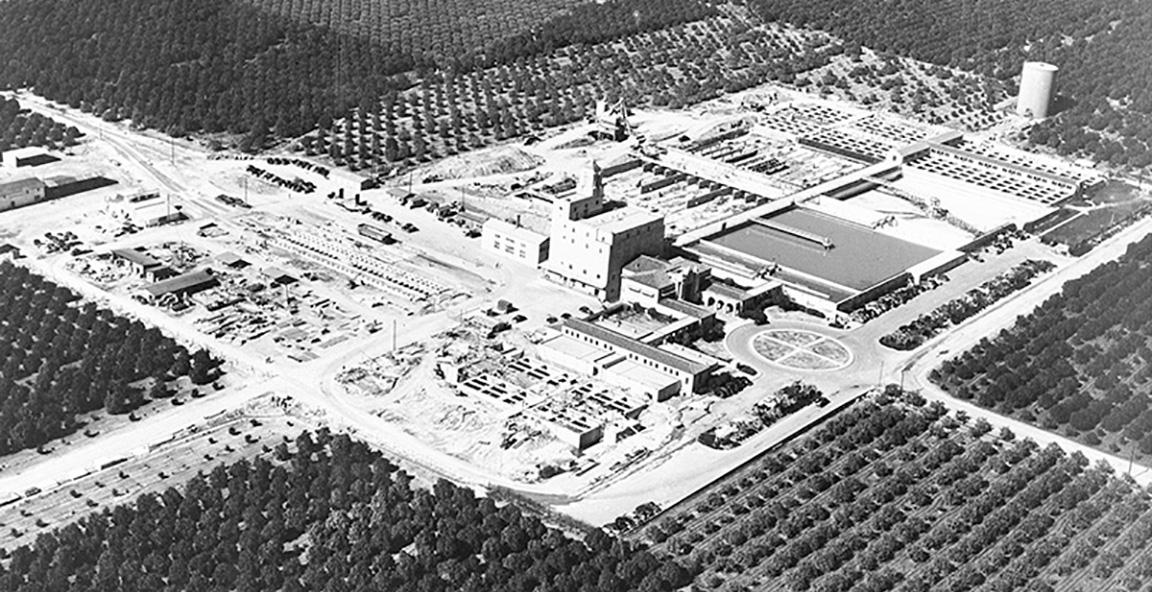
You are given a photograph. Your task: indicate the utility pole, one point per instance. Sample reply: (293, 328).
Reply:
(393, 336)
(1131, 457)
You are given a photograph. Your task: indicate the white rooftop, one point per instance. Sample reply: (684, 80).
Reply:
(575, 348)
(637, 373)
(621, 219)
(508, 229)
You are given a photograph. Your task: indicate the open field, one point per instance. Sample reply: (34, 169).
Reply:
(886, 495)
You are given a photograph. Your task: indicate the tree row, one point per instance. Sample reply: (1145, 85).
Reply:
(61, 358)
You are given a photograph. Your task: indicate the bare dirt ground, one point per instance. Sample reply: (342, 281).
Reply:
(146, 161)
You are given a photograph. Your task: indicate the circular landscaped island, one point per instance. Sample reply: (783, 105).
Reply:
(800, 349)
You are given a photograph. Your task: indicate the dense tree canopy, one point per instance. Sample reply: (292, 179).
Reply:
(19, 129)
(60, 358)
(1079, 362)
(329, 515)
(208, 65)
(228, 66)
(891, 495)
(1101, 46)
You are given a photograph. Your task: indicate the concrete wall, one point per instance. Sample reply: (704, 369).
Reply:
(634, 291)
(854, 302)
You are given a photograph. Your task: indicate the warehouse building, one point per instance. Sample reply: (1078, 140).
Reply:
(183, 285)
(143, 265)
(658, 372)
(28, 156)
(20, 193)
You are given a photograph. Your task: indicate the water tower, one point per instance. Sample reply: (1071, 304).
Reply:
(1037, 87)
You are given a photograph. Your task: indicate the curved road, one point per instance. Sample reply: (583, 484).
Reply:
(879, 365)
(313, 383)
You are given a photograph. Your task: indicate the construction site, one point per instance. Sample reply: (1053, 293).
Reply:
(561, 314)
(487, 394)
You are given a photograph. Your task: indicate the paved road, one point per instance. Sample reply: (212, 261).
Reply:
(1003, 315)
(312, 383)
(877, 364)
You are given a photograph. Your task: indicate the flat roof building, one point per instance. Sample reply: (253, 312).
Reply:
(689, 372)
(514, 241)
(656, 384)
(574, 354)
(138, 259)
(647, 280)
(232, 260)
(143, 264)
(27, 156)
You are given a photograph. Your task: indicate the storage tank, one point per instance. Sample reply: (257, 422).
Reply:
(1037, 86)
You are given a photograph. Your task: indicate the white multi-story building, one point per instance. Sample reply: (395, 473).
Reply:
(512, 240)
(591, 242)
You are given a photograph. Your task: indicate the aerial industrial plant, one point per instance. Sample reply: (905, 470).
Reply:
(625, 295)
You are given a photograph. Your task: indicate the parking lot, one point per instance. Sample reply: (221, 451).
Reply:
(118, 480)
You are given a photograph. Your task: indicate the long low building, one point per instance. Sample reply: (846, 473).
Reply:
(938, 160)
(184, 284)
(595, 349)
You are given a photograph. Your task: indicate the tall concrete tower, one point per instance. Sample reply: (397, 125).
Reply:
(1037, 87)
